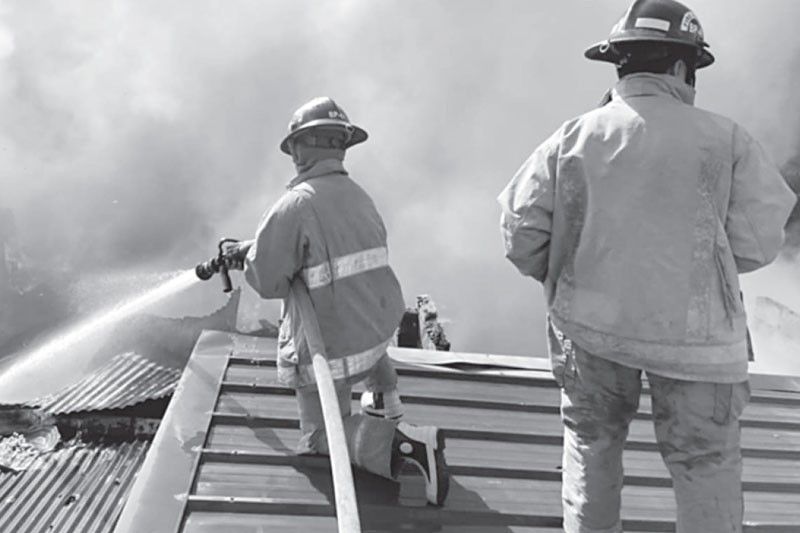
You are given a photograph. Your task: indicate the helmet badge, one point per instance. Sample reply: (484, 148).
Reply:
(690, 24)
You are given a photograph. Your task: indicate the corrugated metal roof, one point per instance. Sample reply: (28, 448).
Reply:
(125, 380)
(79, 488)
(228, 438)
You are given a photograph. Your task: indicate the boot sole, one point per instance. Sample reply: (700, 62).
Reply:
(438, 479)
(436, 497)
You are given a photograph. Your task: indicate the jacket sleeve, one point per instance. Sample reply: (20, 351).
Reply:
(760, 204)
(527, 210)
(278, 253)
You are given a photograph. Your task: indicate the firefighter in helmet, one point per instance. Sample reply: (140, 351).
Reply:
(637, 218)
(327, 230)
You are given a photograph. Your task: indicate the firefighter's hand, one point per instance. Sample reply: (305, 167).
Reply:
(234, 254)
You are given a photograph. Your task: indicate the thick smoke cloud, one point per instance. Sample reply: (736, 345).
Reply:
(131, 128)
(791, 171)
(135, 133)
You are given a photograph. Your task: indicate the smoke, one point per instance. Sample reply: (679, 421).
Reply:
(136, 133)
(791, 172)
(129, 129)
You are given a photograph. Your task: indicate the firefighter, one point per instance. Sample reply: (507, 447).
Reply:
(637, 218)
(327, 230)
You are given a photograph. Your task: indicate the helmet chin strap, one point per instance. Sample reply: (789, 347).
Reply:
(691, 75)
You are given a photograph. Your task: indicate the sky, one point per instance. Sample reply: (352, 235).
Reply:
(135, 133)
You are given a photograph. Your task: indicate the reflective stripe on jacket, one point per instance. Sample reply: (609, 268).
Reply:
(327, 230)
(637, 217)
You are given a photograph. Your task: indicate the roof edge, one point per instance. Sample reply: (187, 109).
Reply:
(417, 356)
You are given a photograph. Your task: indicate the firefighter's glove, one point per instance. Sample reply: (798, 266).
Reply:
(234, 254)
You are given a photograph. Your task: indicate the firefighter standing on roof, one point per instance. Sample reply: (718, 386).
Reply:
(327, 230)
(637, 218)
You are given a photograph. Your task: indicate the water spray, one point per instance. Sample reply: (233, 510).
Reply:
(66, 341)
(217, 265)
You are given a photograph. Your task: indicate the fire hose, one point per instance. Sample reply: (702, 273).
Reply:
(344, 489)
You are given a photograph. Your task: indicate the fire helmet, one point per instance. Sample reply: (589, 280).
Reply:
(656, 21)
(322, 112)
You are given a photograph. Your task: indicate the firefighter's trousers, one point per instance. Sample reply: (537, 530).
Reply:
(369, 439)
(697, 431)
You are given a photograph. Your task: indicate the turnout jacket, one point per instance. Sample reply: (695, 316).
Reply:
(326, 229)
(637, 217)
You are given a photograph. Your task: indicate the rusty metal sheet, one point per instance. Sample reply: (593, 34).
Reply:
(79, 488)
(126, 380)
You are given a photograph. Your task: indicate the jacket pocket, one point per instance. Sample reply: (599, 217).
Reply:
(287, 356)
(730, 400)
(562, 359)
(728, 275)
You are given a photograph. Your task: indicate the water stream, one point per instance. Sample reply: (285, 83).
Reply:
(95, 323)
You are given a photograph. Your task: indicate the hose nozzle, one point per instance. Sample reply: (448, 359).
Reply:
(215, 265)
(207, 269)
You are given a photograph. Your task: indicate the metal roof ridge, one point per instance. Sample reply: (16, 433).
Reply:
(435, 357)
(417, 356)
(775, 382)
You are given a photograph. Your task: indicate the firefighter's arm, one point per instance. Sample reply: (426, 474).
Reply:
(276, 255)
(760, 204)
(527, 210)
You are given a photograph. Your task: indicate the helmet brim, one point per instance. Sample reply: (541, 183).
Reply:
(603, 51)
(358, 135)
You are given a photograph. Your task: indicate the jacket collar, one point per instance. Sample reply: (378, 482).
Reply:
(646, 84)
(321, 168)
